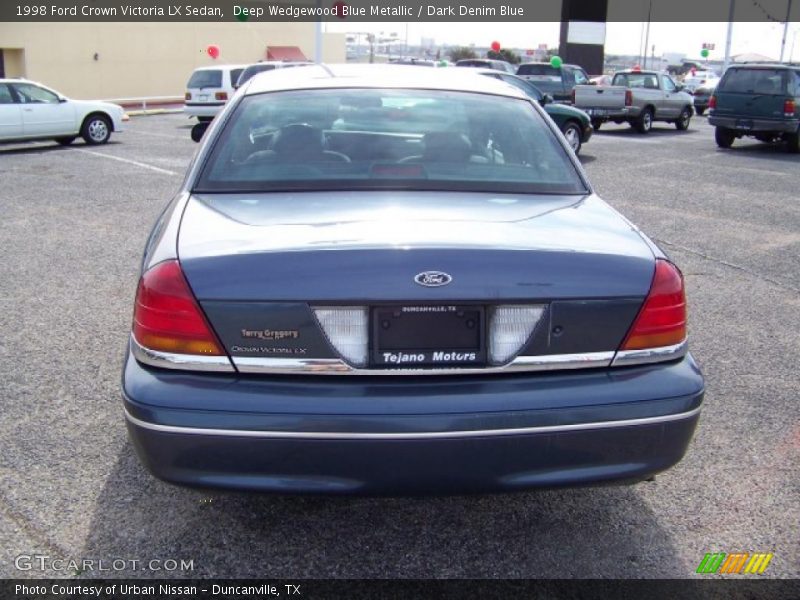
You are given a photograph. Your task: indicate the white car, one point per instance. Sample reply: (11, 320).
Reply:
(30, 111)
(706, 79)
(209, 88)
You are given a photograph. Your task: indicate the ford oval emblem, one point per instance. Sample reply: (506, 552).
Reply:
(433, 278)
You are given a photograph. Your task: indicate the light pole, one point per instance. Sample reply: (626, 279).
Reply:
(730, 36)
(786, 27)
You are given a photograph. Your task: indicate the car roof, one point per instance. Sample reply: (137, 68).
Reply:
(220, 67)
(533, 62)
(376, 76)
(763, 66)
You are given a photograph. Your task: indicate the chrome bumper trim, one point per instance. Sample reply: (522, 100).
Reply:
(184, 362)
(625, 358)
(335, 366)
(422, 435)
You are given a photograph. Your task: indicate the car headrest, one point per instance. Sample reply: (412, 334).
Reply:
(446, 146)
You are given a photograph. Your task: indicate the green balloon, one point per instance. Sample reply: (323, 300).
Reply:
(442, 63)
(704, 52)
(556, 62)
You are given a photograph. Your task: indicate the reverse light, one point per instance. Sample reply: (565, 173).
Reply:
(166, 316)
(510, 327)
(662, 318)
(788, 107)
(347, 329)
(712, 102)
(221, 96)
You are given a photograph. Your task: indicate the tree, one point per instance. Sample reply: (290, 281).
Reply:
(504, 54)
(461, 52)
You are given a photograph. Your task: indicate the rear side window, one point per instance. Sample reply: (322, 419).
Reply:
(542, 72)
(235, 73)
(5, 94)
(360, 139)
(754, 81)
(207, 78)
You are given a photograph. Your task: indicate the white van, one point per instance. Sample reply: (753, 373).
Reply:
(208, 90)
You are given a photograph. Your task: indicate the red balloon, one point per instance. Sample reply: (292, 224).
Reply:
(496, 46)
(213, 51)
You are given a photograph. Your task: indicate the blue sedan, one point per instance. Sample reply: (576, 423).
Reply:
(392, 280)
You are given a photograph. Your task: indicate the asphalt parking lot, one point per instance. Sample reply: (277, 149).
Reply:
(74, 223)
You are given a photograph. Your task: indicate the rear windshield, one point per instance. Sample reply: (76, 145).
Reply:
(754, 81)
(636, 80)
(542, 72)
(346, 139)
(207, 78)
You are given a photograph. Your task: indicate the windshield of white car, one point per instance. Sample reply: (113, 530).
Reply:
(345, 139)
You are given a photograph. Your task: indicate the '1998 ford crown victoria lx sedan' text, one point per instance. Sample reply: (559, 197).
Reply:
(397, 280)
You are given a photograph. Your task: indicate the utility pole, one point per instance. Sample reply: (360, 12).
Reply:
(786, 27)
(730, 36)
(647, 35)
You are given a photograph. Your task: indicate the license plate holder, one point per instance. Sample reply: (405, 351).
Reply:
(744, 124)
(597, 112)
(430, 336)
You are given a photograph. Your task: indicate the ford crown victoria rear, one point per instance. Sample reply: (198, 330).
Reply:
(392, 280)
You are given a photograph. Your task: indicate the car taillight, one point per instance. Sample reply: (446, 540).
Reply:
(788, 107)
(188, 96)
(628, 98)
(662, 318)
(712, 102)
(221, 95)
(166, 316)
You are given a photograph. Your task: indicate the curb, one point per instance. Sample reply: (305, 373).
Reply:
(153, 111)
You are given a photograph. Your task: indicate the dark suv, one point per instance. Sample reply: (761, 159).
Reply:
(760, 101)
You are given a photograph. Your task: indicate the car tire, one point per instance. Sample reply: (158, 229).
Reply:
(793, 143)
(572, 132)
(682, 123)
(65, 141)
(699, 110)
(597, 124)
(724, 137)
(644, 123)
(96, 130)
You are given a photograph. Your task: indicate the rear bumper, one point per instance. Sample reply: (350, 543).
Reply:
(383, 436)
(755, 125)
(203, 110)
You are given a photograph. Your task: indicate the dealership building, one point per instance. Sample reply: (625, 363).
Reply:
(132, 60)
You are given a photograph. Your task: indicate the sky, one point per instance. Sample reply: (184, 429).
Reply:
(621, 38)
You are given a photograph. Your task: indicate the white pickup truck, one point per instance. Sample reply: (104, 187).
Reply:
(636, 97)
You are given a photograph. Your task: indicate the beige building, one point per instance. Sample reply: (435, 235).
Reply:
(124, 60)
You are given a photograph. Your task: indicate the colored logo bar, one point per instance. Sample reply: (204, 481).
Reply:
(737, 563)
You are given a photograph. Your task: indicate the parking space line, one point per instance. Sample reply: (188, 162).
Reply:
(127, 160)
(155, 134)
